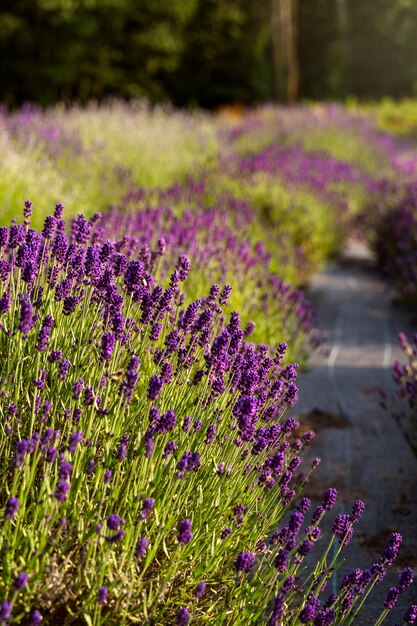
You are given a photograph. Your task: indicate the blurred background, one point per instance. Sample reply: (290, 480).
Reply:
(206, 52)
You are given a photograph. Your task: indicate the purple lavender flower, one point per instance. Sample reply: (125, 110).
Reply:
(20, 581)
(11, 508)
(65, 470)
(63, 369)
(305, 547)
(4, 235)
(131, 378)
(108, 342)
(133, 275)
(55, 356)
(304, 505)
(280, 561)
(26, 314)
(35, 618)
(329, 499)
(378, 571)
(184, 531)
(102, 595)
(149, 446)
(22, 449)
(147, 506)
(107, 476)
(166, 422)
(49, 226)
(80, 229)
(5, 611)
(391, 550)
(357, 510)
(410, 616)
(61, 490)
(244, 562)
(155, 331)
(70, 304)
(225, 293)
(50, 454)
(89, 396)
(325, 617)
(189, 462)
(392, 597)
(183, 616)
(154, 387)
(342, 528)
(141, 547)
(5, 302)
(210, 434)
(200, 590)
(277, 614)
(114, 521)
(169, 449)
(310, 611)
(74, 440)
(405, 579)
(225, 533)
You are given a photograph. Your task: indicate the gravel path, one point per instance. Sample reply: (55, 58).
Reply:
(363, 453)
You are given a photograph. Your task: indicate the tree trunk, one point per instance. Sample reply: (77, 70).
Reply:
(284, 48)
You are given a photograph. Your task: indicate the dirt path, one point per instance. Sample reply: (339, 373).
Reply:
(363, 453)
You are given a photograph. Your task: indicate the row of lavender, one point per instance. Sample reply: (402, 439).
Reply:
(150, 474)
(382, 165)
(129, 371)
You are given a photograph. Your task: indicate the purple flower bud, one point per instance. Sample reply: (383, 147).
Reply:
(357, 510)
(65, 470)
(61, 490)
(20, 581)
(309, 612)
(26, 315)
(405, 579)
(225, 533)
(63, 369)
(147, 506)
(108, 342)
(184, 535)
(114, 521)
(280, 561)
(410, 616)
(49, 226)
(35, 618)
(102, 595)
(74, 440)
(183, 617)
(200, 590)
(11, 508)
(141, 547)
(224, 296)
(80, 229)
(329, 499)
(50, 454)
(392, 597)
(5, 611)
(244, 562)
(155, 387)
(77, 388)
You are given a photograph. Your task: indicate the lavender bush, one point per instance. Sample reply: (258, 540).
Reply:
(403, 406)
(150, 474)
(393, 220)
(219, 240)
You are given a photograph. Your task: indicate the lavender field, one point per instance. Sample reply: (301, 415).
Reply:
(153, 322)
